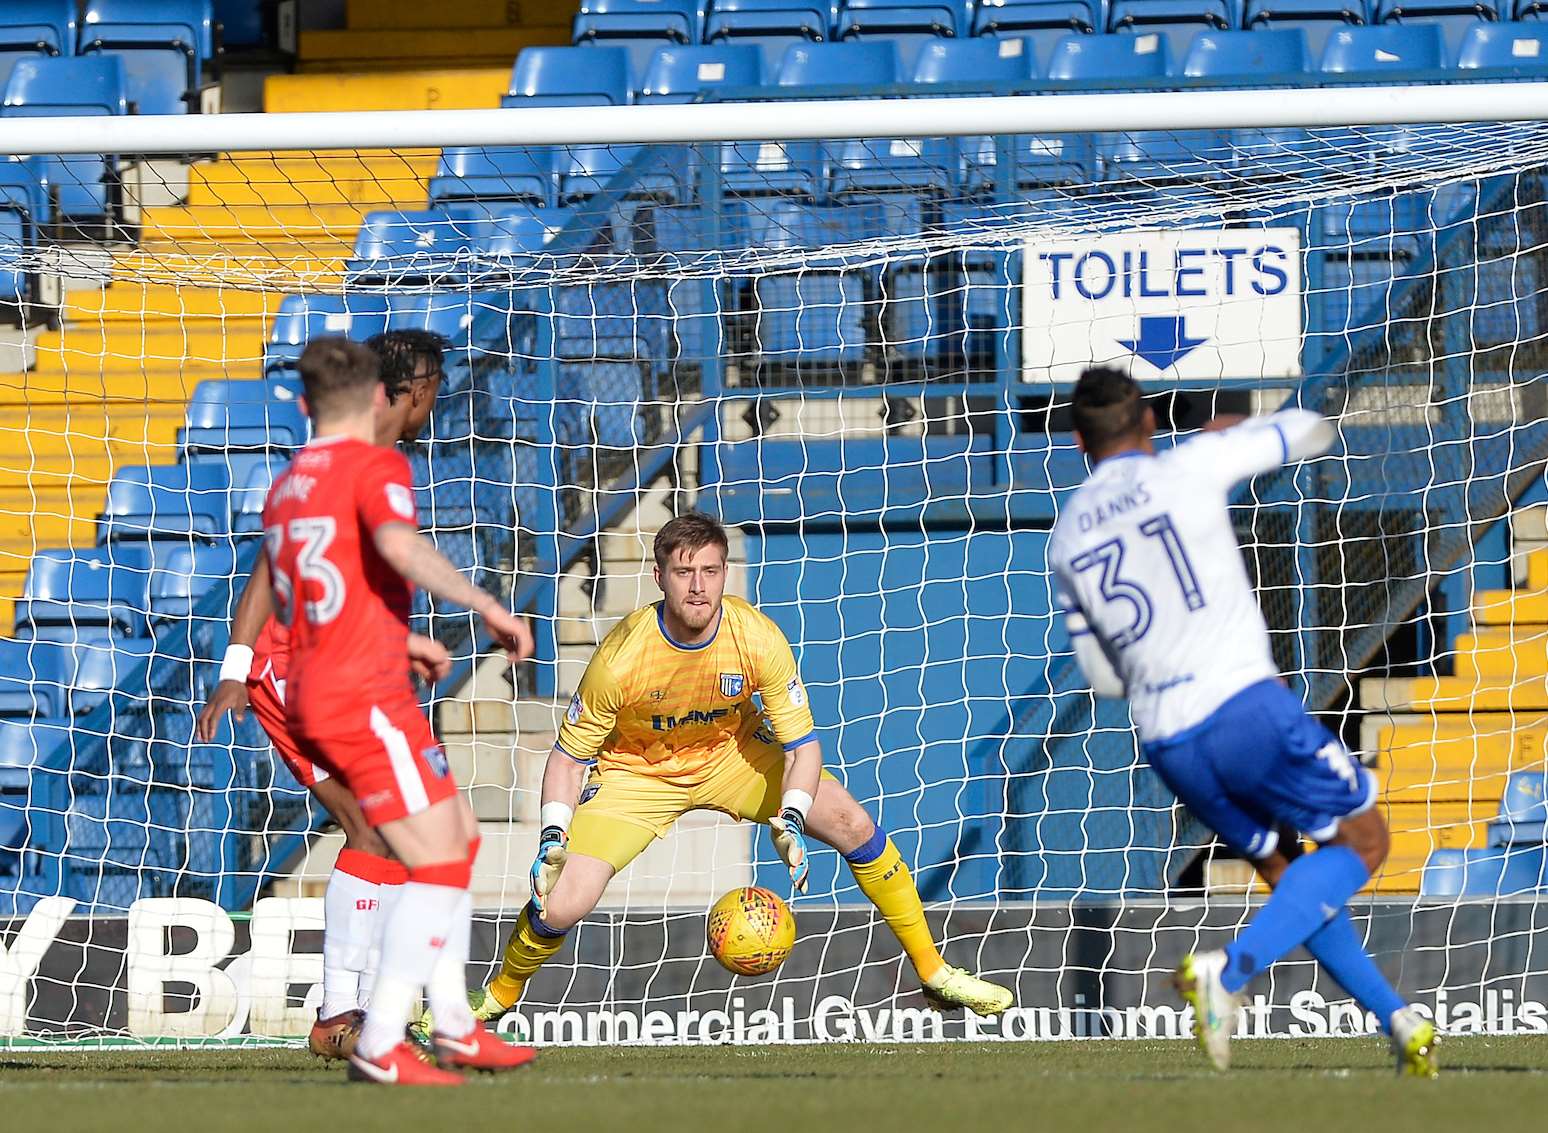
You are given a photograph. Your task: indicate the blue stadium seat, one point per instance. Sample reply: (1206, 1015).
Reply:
(35, 27)
(494, 173)
(772, 26)
(409, 245)
(1523, 46)
(1523, 811)
(894, 165)
(35, 677)
(984, 60)
(1317, 18)
(870, 64)
(1109, 58)
(449, 313)
(1041, 22)
(1453, 17)
(167, 502)
(640, 27)
(1493, 871)
(71, 86)
(241, 22)
(518, 231)
(1362, 51)
(570, 76)
(1231, 54)
(26, 742)
(1039, 161)
(94, 590)
(755, 169)
(304, 317)
(1165, 156)
(217, 423)
(811, 317)
(100, 667)
(586, 170)
(163, 44)
(185, 573)
(1178, 21)
(683, 74)
(247, 507)
(909, 27)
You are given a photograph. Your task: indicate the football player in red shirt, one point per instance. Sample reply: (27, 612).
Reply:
(366, 879)
(345, 554)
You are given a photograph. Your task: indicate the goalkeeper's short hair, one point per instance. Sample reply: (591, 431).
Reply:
(402, 351)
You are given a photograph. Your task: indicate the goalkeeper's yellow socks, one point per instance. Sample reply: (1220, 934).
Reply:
(885, 880)
(529, 948)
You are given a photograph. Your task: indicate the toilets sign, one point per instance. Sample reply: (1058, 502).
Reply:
(1221, 303)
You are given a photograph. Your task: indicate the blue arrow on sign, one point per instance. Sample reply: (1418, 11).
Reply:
(1162, 340)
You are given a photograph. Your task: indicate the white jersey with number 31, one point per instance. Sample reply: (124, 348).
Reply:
(1144, 556)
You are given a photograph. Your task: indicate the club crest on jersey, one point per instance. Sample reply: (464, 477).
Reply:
(797, 692)
(435, 759)
(731, 685)
(401, 500)
(572, 714)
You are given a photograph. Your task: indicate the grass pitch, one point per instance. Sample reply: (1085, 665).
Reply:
(1130, 1086)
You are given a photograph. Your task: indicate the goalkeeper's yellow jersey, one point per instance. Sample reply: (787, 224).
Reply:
(675, 711)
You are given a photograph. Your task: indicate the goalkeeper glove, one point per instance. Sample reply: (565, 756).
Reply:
(548, 864)
(788, 830)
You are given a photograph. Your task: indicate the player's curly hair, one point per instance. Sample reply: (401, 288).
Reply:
(402, 351)
(1107, 406)
(689, 532)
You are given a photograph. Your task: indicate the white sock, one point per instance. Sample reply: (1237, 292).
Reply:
(350, 915)
(386, 900)
(419, 927)
(448, 990)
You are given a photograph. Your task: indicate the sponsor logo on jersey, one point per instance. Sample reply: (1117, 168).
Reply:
(435, 759)
(573, 714)
(401, 499)
(797, 692)
(667, 723)
(731, 685)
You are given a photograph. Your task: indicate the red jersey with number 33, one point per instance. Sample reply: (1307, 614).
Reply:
(346, 609)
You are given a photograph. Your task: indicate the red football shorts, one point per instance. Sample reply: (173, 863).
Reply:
(266, 698)
(381, 748)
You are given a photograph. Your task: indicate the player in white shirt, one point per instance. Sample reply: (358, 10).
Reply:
(1156, 598)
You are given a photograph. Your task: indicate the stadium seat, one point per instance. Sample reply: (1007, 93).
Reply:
(163, 44)
(1453, 17)
(166, 502)
(1523, 46)
(183, 575)
(1317, 18)
(1178, 21)
(412, 245)
(640, 27)
(1158, 157)
(1493, 871)
(494, 173)
(771, 26)
(1110, 58)
(868, 64)
(570, 76)
(1364, 51)
(247, 506)
(975, 61)
(448, 313)
(894, 165)
(35, 677)
(92, 591)
(100, 667)
(27, 742)
(218, 422)
(586, 170)
(1038, 161)
(685, 74)
(756, 169)
(1523, 811)
(517, 231)
(908, 27)
(241, 23)
(35, 27)
(1041, 23)
(71, 86)
(303, 317)
(1232, 54)
(807, 318)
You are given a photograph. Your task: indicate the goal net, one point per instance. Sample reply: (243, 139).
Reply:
(857, 353)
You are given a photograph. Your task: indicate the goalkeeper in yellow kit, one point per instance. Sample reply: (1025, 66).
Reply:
(664, 723)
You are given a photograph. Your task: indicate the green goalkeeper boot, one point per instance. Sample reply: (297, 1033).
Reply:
(951, 988)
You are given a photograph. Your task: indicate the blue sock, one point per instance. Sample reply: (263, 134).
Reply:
(1309, 894)
(1338, 949)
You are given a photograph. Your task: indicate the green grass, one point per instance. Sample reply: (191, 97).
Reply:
(957, 1088)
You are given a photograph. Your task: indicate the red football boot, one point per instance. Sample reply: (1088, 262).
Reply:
(400, 1066)
(480, 1050)
(335, 1037)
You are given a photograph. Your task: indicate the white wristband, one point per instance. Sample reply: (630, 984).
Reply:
(555, 814)
(796, 800)
(238, 663)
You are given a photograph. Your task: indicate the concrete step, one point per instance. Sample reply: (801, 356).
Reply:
(1455, 694)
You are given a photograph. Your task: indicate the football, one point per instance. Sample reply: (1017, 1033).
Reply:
(751, 931)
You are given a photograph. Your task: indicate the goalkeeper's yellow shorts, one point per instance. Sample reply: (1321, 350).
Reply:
(630, 810)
